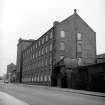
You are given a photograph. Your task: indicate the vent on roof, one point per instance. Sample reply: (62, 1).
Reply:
(55, 23)
(75, 10)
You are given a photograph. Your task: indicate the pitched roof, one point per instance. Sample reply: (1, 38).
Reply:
(76, 15)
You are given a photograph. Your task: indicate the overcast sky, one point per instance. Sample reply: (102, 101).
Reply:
(29, 19)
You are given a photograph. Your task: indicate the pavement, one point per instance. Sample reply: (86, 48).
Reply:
(6, 99)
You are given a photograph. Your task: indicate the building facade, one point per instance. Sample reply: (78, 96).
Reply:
(11, 72)
(22, 44)
(101, 58)
(70, 39)
(37, 59)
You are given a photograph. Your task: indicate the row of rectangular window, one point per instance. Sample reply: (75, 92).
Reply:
(40, 41)
(37, 79)
(62, 35)
(41, 52)
(44, 39)
(30, 59)
(41, 78)
(40, 63)
(79, 46)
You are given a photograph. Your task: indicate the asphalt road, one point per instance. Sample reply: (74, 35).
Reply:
(37, 95)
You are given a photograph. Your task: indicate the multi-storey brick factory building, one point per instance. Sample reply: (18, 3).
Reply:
(22, 44)
(72, 40)
(11, 69)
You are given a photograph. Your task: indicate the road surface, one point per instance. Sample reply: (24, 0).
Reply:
(39, 95)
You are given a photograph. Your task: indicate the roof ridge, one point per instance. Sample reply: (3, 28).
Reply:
(85, 22)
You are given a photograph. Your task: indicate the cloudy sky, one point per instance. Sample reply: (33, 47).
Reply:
(29, 19)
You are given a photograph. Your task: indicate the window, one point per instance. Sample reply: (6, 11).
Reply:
(42, 63)
(39, 42)
(46, 49)
(62, 34)
(39, 52)
(50, 60)
(42, 51)
(41, 78)
(79, 42)
(61, 57)
(30, 57)
(50, 47)
(79, 61)
(30, 50)
(79, 36)
(38, 78)
(46, 37)
(43, 40)
(27, 52)
(79, 54)
(23, 55)
(36, 55)
(45, 78)
(62, 46)
(51, 35)
(36, 45)
(38, 64)
(33, 56)
(35, 78)
(33, 47)
(79, 48)
(79, 45)
(46, 62)
(49, 77)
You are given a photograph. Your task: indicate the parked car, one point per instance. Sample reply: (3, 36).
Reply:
(6, 81)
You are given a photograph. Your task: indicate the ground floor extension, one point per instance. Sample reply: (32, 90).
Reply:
(91, 77)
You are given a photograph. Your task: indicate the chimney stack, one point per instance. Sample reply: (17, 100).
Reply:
(55, 23)
(75, 11)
